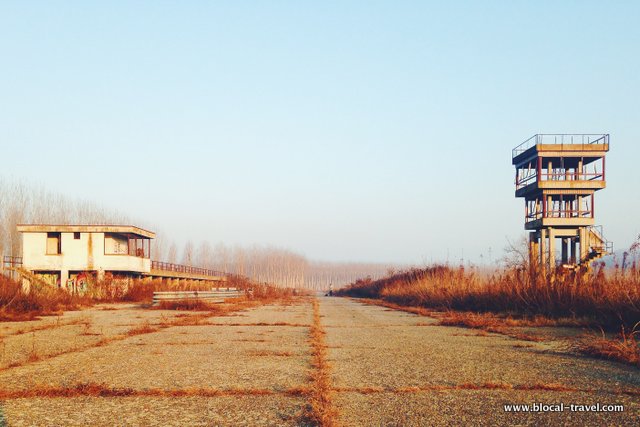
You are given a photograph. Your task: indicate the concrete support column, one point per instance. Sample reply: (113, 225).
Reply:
(573, 250)
(580, 165)
(584, 246)
(543, 250)
(552, 249)
(533, 249)
(64, 276)
(565, 250)
(579, 203)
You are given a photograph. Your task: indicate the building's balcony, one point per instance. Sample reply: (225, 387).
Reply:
(534, 182)
(560, 145)
(127, 263)
(558, 218)
(124, 263)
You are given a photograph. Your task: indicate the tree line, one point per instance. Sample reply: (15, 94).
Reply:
(24, 203)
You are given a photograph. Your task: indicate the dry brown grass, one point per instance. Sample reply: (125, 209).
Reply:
(320, 410)
(486, 323)
(16, 305)
(46, 326)
(607, 299)
(145, 328)
(483, 323)
(489, 385)
(267, 353)
(291, 325)
(102, 390)
(624, 348)
(185, 305)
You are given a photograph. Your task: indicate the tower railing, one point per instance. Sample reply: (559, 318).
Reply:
(559, 213)
(557, 176)
(560, 139)
(607, 245)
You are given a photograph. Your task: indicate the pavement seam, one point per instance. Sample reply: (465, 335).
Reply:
(320, 411)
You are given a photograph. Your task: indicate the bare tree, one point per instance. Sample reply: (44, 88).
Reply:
(172, 255)
(187, 253)
(204, 255)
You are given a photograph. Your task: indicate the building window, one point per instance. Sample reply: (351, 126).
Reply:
(53, 244)
(76, 236)
(116, 244)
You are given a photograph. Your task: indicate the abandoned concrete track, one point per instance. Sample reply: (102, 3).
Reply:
(386, 368)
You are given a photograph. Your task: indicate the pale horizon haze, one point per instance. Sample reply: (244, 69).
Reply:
(345, 131)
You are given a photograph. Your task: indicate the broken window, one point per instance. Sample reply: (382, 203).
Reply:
(53, 244)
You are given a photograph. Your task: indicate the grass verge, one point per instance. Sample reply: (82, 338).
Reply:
(320, 410)
(607, 300)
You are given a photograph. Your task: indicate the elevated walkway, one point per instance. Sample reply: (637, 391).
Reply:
(165, 270)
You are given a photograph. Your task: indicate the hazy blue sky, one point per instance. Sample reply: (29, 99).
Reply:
(370, 131)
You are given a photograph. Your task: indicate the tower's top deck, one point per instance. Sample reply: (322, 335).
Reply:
(561, 145)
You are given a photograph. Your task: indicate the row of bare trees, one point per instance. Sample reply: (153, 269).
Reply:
(271, 264)
(23, 203)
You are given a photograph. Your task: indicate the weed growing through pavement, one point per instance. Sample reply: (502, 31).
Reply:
(320, 410)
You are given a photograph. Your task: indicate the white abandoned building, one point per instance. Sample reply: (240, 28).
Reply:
(68, 255)
(57, 253)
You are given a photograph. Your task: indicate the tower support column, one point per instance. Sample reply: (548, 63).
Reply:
(552, 249)
(533, 249)
(543, 250)
(565, 250)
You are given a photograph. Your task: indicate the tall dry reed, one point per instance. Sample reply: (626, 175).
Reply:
(609, 299)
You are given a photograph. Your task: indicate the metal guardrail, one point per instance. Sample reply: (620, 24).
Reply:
(559, 213)
(167, 266)
(11, 261)
(558, 177)
(214, 295)
(560, 138)
(607, 245)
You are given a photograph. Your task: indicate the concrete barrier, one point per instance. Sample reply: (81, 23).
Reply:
(214, 295)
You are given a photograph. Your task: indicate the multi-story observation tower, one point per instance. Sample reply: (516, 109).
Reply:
(558, 175)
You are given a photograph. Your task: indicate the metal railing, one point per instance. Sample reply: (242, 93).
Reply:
(178, 268)
(214, 295)
(559, 176)
(607, 245)
(562, 213)
(11, 261)
(562, 139)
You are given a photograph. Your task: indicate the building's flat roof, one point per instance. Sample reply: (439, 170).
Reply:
(86, 228)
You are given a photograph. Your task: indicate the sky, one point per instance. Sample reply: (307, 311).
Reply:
(344, 130)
